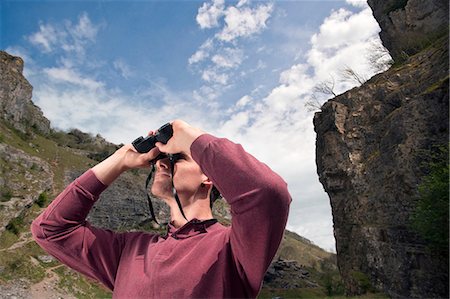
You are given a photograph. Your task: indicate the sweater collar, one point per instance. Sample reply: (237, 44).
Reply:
(192, 228)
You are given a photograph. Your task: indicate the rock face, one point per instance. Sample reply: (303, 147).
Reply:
(16, 106)
(22, 179)
(408, 25)
(123, 206)
(369, 149)
(288, 274)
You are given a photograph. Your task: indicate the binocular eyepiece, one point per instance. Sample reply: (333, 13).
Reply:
(144, 145)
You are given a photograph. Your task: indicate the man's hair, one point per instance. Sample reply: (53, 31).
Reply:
(214, 195)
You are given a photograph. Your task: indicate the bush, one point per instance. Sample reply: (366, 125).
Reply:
(14, 225)
(42, 199)
(333, 284)
(6, 195)
(361, 281)
(430, 217)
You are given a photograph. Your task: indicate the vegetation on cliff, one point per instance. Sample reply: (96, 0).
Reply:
(430, 217)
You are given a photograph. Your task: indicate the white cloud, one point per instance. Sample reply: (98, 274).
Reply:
(343, 40)
(242, 3)
(46, 38)
(245, 100)
(67, 75)
(228, 58)
(343, 28)
(209, 14)
(84, 29)
(214, 76)
(202, 53)
(218, 59)
(358, 3)
(68, 37)
(243, 22)
(123, 68)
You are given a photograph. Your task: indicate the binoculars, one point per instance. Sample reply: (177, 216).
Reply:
(144, 145)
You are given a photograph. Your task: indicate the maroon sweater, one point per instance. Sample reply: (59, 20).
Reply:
(202, 259)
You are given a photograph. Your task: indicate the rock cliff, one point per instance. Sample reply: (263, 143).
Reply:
(16, 106)
(370, 147)
(409, 25)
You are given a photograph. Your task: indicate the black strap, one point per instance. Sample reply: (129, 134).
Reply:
(174, 191)
(150, 205)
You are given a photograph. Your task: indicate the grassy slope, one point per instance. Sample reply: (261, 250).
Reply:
(22, 261)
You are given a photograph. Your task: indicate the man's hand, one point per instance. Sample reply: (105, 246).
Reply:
(130, 158)
(183, 137)
(123, 159)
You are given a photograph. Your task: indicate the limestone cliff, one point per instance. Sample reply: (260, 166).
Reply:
(16, 106)
(369, 152)
(409, 25)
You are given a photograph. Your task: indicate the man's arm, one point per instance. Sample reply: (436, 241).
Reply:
(259, 201)
(63, 231)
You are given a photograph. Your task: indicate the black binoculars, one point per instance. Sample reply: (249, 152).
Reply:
(144, 145)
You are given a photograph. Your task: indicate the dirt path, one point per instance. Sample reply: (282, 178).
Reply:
(23, 289)
(47, 288)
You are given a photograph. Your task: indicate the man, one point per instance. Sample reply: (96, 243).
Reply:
(199, 258)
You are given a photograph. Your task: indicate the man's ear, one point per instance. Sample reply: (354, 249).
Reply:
(206, 181)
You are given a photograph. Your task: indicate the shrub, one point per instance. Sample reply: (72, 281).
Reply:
(6, 195)
(362, 281)
(14, 225)
(430, 217)
(42, 199)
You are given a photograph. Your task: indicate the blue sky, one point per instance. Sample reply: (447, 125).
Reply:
(237, 69)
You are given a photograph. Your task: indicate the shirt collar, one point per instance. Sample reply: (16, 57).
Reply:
(192, 228)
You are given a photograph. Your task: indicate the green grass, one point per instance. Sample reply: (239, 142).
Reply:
(59, 158)
(292, 293)
(7, 239)
(17, 263)
(312, 293)
(442, 82)
(80, 286)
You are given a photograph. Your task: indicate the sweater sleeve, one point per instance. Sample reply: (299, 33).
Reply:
(259, 201)
(62, 231)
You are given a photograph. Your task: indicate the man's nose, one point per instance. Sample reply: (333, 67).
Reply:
(163, 163)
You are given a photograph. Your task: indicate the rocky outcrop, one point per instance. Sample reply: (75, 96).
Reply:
(409, 25)
(288, 274)
(23, 178)
(369, 149)
(123, 205)
(16, 106)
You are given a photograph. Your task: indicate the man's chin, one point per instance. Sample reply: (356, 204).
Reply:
(163, 195)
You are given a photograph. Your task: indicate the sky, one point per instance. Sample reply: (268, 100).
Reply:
(248, 71)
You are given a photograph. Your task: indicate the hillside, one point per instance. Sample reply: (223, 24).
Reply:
(37, 162)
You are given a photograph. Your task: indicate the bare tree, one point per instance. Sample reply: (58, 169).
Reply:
(378, 57)
(350, 75)
(320, 93)
(325, 87)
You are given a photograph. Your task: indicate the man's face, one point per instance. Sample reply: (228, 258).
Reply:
(187, 178)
